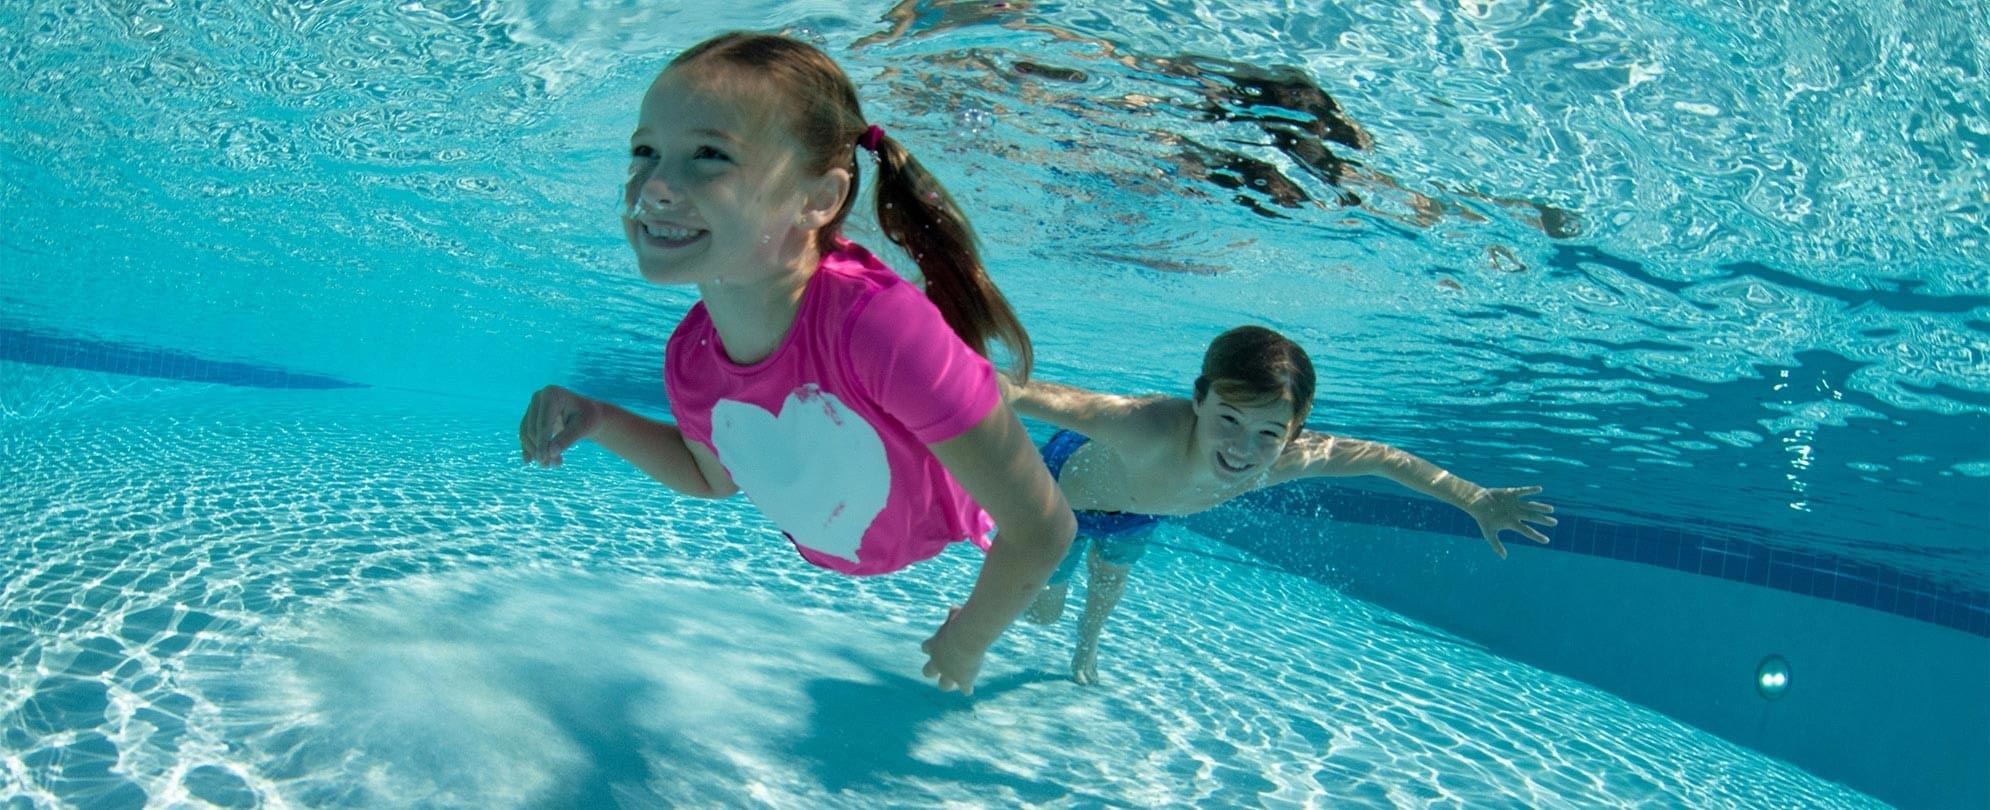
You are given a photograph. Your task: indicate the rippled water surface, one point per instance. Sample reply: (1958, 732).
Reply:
(1713, 264)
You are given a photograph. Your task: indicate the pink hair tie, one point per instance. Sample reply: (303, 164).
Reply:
(871, 138)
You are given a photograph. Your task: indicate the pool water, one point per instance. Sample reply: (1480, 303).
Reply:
(351, 599)
(278, 278)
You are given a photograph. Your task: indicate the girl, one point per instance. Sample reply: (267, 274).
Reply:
(861, 417)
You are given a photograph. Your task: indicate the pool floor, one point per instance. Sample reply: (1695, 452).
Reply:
(357, 598)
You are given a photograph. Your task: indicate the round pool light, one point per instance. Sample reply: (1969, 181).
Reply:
(1772, 677)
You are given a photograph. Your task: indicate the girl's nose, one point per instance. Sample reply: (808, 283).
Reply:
(647, 191)
(655, 192)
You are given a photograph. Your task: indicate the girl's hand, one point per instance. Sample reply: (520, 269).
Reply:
(1509, 509)
(555, 419)
(950, 660)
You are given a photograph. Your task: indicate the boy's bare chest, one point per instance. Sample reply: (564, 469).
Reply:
(1098, 478)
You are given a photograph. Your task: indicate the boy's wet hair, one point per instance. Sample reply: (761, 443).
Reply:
(915, 212)
(1252, 365)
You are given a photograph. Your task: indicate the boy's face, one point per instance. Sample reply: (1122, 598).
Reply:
(1239, 440)
(711, 195)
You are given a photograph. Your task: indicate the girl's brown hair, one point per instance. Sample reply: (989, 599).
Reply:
(1254, 365)
(915, 212)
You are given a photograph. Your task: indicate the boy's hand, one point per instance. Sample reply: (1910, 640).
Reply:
(554, 420)
(951, 660)
(1509, 509)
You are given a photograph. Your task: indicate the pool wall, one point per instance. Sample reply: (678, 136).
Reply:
(1893, 706)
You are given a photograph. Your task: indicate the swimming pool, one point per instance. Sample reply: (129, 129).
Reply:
(277, 279)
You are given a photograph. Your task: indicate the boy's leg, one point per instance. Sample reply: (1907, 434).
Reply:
(1102, 591)
(1049, 604)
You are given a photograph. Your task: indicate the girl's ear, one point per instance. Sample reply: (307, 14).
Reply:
(823, 198)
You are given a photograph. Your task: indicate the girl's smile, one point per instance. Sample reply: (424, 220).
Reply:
(712, 195)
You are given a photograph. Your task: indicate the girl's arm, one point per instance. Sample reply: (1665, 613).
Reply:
(1110, 418)
(1315, 454)
(997, 464)
(557, 418)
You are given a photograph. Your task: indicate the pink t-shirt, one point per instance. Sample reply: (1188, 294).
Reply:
(828, 434)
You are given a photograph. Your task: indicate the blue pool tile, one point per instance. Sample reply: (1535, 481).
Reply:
(1780, 571)
(1646, 550)
(1737, 554)
(1689, 558)
(1715, 565)
(1862, 572)
(1736, 566)
(1758, 568)
(1857, 591)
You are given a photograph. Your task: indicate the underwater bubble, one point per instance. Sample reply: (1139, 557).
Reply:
(972, 119)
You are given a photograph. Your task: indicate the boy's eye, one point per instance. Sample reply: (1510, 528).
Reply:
(1229, 420)
(708, 153)
(1269, 434)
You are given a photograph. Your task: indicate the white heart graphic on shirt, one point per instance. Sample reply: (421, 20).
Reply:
(817, 470)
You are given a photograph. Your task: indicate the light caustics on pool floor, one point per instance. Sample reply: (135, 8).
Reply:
(355, 599)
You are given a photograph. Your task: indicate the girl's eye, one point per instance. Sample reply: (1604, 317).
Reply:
(642, 152)
(708, 153)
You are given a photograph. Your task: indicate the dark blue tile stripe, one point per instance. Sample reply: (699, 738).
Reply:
(49, 349)
(1734, 553)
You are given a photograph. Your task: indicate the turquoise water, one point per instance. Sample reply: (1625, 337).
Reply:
(1702, 265)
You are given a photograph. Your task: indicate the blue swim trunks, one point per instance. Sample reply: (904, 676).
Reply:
(1122, 536)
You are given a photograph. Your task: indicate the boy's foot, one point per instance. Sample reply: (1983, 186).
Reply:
(1085, 666)
(1049, 605)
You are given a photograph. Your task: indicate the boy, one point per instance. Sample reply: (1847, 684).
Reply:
(1124, 461)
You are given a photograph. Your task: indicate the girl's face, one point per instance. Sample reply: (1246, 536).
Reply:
(714, 194)
(1240, 441)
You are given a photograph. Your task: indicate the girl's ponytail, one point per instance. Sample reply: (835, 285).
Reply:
(919, 215)
(914, 210)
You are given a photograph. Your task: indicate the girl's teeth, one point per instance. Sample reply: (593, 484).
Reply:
(673, 234)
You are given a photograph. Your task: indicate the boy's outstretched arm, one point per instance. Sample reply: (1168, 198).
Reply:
(1315, 454)
(1110, 418)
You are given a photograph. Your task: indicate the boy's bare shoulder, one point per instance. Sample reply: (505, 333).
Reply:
(1309, 453)
(1153, 422)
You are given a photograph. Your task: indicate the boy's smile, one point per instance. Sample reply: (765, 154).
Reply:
(1240, 440)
